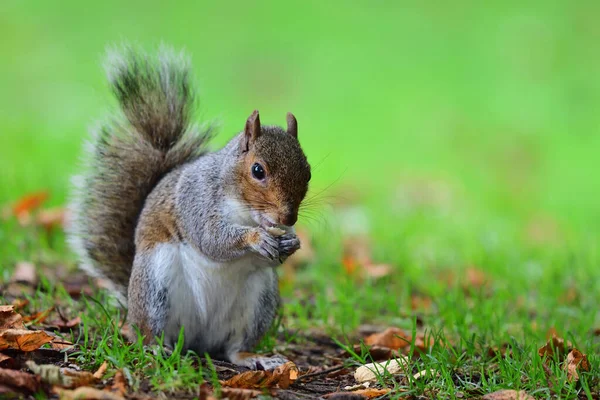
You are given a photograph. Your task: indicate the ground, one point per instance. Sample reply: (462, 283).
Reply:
(475, 328)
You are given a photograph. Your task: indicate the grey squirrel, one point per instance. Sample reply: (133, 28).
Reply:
(190, 237)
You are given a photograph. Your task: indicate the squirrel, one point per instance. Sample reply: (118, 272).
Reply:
(188, 236)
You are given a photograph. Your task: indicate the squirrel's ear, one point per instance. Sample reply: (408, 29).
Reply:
(292, 125)
(252, 130)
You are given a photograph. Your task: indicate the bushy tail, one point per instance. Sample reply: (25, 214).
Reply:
(129, 155)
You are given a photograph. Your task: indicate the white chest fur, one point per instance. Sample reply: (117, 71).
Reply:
(214, 302)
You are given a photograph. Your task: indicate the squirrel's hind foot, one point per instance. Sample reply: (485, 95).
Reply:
(257, 361)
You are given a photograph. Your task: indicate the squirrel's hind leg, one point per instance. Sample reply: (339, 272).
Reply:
(148, 306)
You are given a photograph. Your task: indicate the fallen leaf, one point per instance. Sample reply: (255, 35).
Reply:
(420, 303)
(51, 218)
(66, 325)
(508, 395)
(119, 383)
(392, 338)
(29, 203)
(575, 361)
(86, 393)
(10, 319)
(371, 371)
(555, 347)
(282, 376)
(19, 380)
(376, 271)
(38, 317)
(26, 273)
(475, 277)
(19, 303)
(377, 353)
(64, 377)
(60, 344)
(22, 339)
(500, 351)
(101, 371)
(239, 394)
(369, 393)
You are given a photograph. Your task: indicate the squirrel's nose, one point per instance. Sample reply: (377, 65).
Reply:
(288, 219)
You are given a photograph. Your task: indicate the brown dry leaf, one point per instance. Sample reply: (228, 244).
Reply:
(51, 218)
(39, 316)
(60, 344)
(371, 393)
(508, 395)
(377, 270)
(392, 338)
(555, 344)
(368, 393)
(64, 377)
(19, 380)
(377, 353)
(26, 273)
(29, 203)
(119, 383)
(282, 376)
(101, 371)
(66, 325)
(20, 303)
(240, 394)
(10, 319)
(475, 277)
(22, 339)
(86, 393)
(575, 361)
(422, 303)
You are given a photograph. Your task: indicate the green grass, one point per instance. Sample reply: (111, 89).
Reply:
(469, 132)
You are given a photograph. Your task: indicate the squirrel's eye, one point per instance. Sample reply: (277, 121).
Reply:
(258, 171)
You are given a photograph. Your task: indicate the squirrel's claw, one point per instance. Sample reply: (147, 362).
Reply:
(267, 246)
(288, 244)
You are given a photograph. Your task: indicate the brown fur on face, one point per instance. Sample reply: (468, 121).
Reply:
(287, 174)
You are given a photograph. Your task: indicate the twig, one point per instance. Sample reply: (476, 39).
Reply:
(324, 372)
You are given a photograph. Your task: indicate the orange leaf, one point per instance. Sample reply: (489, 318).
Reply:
(38, 317)
(369, 393)
(392, 338)
(119, 384)
(575, 361)
(51, 218)
(101, 371)
(22, 339)
(555, 347)
(9, 319)
(29, 203)
(282, 376)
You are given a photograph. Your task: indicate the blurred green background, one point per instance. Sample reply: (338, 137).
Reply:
(487, 109)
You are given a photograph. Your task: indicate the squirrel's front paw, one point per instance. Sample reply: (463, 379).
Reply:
(264, 244)
(288, 244)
